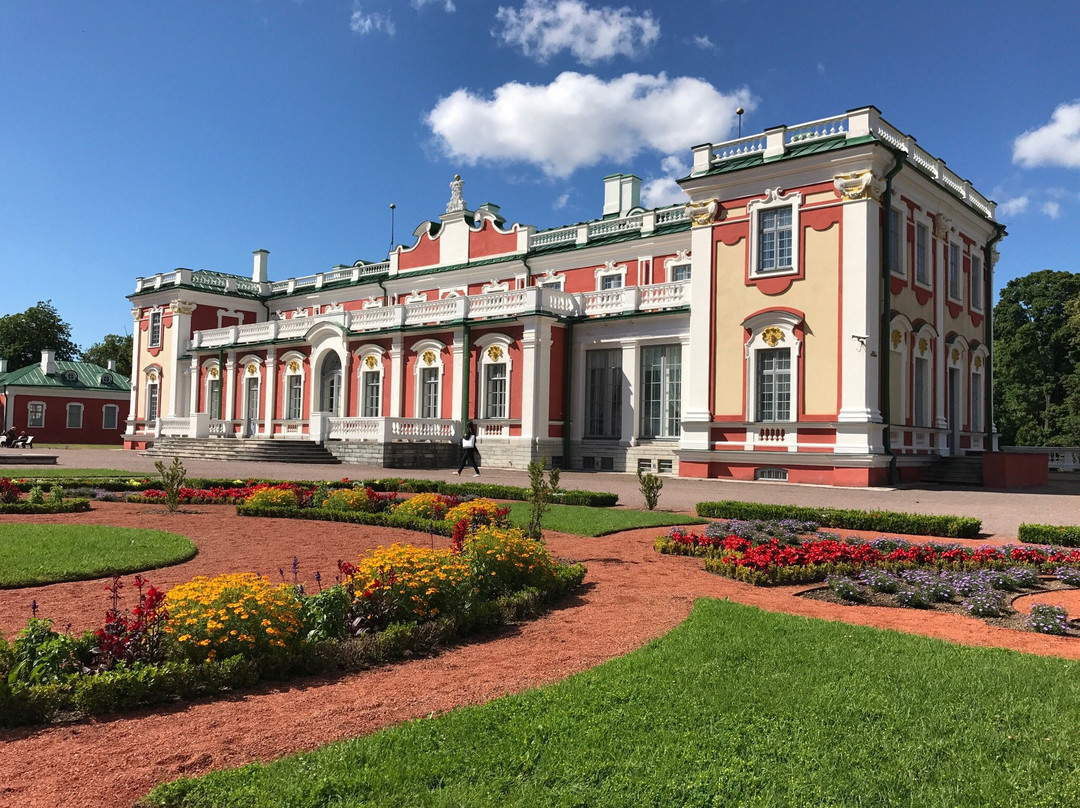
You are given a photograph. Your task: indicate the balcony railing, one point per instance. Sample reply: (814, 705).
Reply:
(493, 305)
(388, 430)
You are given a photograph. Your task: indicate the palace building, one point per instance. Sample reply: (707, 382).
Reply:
(818, 311)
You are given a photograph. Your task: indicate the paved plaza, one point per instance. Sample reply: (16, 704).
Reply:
(1001, 512)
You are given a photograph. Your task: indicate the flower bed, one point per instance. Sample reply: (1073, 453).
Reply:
(227, 632)
(11, 500)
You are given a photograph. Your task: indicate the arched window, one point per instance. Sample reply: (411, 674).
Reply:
(370, 371)
(922, 380)
(294, 386)
(494, 366)
(330, 384)
(428, 373)
(899, 362)
(212, 392)
(772, 365)
(153, 393)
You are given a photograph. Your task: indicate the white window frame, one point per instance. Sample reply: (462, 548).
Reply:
(154, 340)
(115, 410)
(899, 359)
(678, 265)
(419, 366)
(610, 271)
(363, 353)
(977, 282)
(287, 411)
(155, 396)
(551, 280)
(955, 258)
(925, 335)
(768, 331)
(494, 350)
(208, 381)
(923, 252)
(978, 390)
(774, 199)
(667, 407)
(607, 396)
(29, 414)
(897, 262)
(74, 407)
(246, 363)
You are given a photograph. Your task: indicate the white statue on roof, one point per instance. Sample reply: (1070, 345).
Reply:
(456, 202)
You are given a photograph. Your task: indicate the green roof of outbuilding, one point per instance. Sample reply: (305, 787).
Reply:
(88, 376)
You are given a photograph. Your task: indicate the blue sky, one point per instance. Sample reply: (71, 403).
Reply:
(139, 137)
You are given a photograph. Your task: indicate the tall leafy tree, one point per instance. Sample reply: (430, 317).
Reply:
(112, 346)
(23, 336)
(1036, 360)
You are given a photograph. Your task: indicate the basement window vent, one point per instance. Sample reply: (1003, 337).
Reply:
(779, 475)
(644, 464)
(607, 463)
(588, 463)
(665, 466)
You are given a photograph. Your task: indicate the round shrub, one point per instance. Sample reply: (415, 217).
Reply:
(346, 499)
(506, 560)
(274, 497)
(913, 598)
(404, 583)
(243, 613)
(1068, 575)
(846, 589)
(426, 506)
(879, 580)
(986, 603)
(1047, 619)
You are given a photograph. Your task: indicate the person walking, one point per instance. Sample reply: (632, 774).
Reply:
(468, 449)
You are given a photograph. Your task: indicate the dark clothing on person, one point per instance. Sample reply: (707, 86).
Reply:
(468, 450)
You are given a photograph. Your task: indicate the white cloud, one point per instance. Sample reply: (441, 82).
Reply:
(579, 120)
(661, 191)
(1011, 207)
(704, 42)
(448, 5)
(362, 23)
(544, 28)
(560, 201)
(1055, 144)
(1051, 209)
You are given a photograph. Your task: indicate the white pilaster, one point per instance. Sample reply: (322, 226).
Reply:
(941, 254)
(270, 380)
(397, 373)
(457, 360)
(631, 363)
(696, 417)
(860, 323)
(193, 385)
(136, 371)
(535, 355)
(230, 387)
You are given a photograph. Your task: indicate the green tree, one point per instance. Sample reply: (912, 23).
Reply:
(112, 346)
(1036, 360)
(25, 335)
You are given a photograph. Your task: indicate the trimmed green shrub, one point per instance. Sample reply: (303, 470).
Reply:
(962, 527)
(67, 506)
(1066, 535)
(353, 517)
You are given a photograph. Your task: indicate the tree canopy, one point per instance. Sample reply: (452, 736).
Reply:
(23, 336)
(112, 346)
(1037, 360)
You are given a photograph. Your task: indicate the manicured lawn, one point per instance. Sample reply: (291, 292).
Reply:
(40, 554)
(583, 520)
(33, 473)
(736, 707)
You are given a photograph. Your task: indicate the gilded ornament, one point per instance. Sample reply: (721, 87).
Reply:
(213, 373)
(702, 212)
(896, 337)
(923, 345)
(428, 357)
(955, 355)
(494, 353)
(153, 376)
(860, 185)
(294, 366)
(370, 361)
(252, 370)
(978, 362)
(772, 335)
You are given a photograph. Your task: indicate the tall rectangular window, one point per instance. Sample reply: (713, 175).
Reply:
(154, 340)
(495, 391)
(35, 417)
(774, 240)
(976, 283)
(294, 397)
(773, 384)
(661, 391)
(603, 393)
(213, 398)
(977, 405)
(921, 392)
(74, 416)
(954, 272)
(110, 416)
(372, 394)
(429, 393)
(922, 254)
(896, 266)
(152, 401)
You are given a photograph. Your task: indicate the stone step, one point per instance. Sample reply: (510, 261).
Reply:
(960, 471)
(249, 450)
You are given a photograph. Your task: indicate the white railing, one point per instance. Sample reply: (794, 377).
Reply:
(220, 428)
(737, 148)
(435, 311)
(671, 215)
(504, 304)
(665, 295)
(369, 429)
(817, 130)
(547, 238)
(175, 426)
(495, 429)
(609, 301)
(440, 429)
(608, 227)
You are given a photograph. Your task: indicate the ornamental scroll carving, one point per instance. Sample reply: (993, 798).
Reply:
(294, 366)
(702, 212)
(860, 185)
(182, 306)
(772, 335)
(213, 372)
(942, 225)
(978, 362)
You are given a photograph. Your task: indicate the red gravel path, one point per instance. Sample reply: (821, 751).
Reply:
(632, 596)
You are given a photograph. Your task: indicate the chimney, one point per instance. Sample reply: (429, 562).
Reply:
(258, 273)
(3, 366)
(112, 364)
(48, 362)
(622, 192)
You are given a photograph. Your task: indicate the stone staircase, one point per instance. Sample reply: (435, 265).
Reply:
(245, 449)
(956, 471)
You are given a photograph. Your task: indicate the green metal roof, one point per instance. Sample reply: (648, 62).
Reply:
(87, 376)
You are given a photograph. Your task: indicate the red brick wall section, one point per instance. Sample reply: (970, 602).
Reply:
(1015, 469)
(56, 430)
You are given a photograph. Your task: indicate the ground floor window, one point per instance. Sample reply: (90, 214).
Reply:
(74, 416)
(371, 393)
(213, 398)
(603, 393)
(429, 392)
(977, 404)
(661, 391)
(110, 416)
(773, 384)
(921, 392)
(35, 418)
(294, 397)
(152, 401)
(495, 391)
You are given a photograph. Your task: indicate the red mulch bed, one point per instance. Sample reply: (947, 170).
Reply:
(632, 595)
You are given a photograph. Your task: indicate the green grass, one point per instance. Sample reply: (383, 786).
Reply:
(736, 707)
(583, 520)
(31, 555)
(33, 472)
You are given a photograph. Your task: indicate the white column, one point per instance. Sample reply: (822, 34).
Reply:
(230, 388)
(941, 253)
(535, 354)
(179, 336)
(397, 372)
(696, 417)
(193, 386)
(270, 380)
(457, 361)
(631, 365)
(574, 420)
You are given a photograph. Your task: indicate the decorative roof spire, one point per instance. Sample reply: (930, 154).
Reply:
(456, 202)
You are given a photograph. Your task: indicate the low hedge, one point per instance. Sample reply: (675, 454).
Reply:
(140, 685)
(912, 524)
(1066, 535)
(354, 517)
(67, 506)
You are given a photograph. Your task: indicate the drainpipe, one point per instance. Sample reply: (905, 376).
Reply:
(988, 289)
(884, 348)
